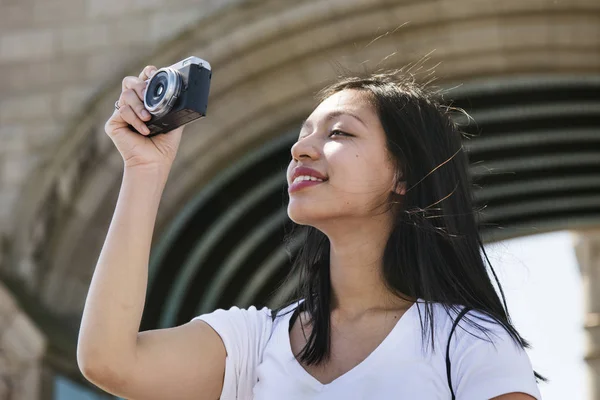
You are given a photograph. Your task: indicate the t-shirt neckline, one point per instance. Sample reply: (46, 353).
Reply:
(297, 370)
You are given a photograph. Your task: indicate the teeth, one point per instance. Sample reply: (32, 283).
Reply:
(307, 178)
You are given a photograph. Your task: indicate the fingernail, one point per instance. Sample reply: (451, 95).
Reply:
(145, 114)
(145, 129)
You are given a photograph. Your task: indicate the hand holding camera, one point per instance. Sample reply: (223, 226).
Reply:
(153, 108)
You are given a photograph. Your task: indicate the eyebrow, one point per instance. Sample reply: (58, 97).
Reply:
(331, 116)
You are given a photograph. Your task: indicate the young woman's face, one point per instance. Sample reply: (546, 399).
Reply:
(344, 141)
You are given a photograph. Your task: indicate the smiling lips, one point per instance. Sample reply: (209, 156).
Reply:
(302, 182)
(303, 177)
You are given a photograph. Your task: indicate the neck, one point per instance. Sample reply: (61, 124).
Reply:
(356, 265)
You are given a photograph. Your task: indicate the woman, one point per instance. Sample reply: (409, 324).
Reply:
(394, 299)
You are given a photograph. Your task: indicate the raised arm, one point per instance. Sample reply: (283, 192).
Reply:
(178, 363)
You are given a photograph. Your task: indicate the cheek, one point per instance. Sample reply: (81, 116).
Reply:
(357, 170)
(345, 160)
(364, 174)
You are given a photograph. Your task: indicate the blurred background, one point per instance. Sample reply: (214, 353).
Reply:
(528, 72)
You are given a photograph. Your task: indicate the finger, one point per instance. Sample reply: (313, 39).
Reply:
(147, 72)
(114, 122)
(130, 98)
(136, 84)
(132, 119)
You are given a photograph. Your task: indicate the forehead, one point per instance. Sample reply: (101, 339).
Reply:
(349, 102)
(346, 102)
(348, 99)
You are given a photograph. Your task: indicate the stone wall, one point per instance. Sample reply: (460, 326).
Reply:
(269, 58)
(55, 55)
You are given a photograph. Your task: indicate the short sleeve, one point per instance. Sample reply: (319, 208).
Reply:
(486, 367)
(245, 333)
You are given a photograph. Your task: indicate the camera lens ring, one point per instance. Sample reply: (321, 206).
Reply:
(162, 91)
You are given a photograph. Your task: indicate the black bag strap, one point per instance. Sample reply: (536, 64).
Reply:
(456, 321)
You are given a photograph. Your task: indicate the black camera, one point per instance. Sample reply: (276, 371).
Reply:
(177, 95)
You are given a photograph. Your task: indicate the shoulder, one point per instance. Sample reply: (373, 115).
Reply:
(245, 333)
(475, 329)
(236, 318)
(467, 326)
(485, 359)
(246, 324)
(242, 330)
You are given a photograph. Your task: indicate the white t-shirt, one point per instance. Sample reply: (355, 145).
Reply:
(260, 364)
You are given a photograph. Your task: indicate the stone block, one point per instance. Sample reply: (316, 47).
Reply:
(166, 24)
(104, 8)
(449, 9)
(27, 45)
(53, 12)
(149, 4)
(130, 31)
(29, 76)
(13, 139)
(107, 67)
(535, 32)
(584, 32)
(15, 16)
(72, 99)
(16, 166)
(83, 38)
(473, 35)
(41, 136)
(26, 107)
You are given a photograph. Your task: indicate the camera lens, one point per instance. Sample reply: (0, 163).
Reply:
(162, 91)
(156, 88)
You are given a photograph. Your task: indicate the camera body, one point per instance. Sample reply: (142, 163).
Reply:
(177, 95)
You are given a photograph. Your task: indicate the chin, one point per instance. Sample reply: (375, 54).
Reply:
(317, 218)
(298, 217)
(302, 214)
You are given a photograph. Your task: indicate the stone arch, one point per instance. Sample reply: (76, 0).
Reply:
(268, 60)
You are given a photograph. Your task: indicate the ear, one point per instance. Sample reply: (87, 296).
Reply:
(400, 188)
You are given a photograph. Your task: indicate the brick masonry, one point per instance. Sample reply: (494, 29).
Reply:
(55, 55)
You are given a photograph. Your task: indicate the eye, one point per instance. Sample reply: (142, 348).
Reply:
(338, 132)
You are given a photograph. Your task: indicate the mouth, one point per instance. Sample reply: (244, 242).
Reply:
(302, 183)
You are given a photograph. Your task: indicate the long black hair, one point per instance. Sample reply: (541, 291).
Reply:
(434, 252)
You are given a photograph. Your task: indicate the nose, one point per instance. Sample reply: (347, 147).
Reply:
(305, 148)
